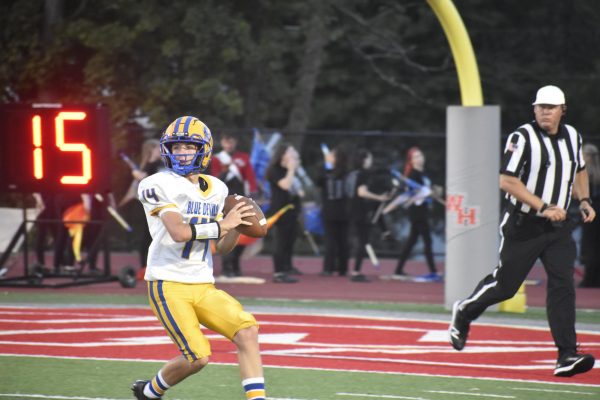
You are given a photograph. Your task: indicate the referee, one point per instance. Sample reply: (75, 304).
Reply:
(541, 169)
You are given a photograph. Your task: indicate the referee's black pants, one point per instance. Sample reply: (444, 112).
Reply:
(525, 239)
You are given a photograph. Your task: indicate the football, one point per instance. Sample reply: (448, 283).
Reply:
(258, 228)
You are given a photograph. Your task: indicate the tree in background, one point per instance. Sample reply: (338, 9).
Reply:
(355, 64)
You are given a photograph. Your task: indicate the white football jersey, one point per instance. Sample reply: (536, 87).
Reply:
(165, 191)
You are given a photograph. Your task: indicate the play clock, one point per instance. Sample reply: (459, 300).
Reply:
(48, 147)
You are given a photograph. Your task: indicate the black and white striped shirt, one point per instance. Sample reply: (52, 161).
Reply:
(546, 164)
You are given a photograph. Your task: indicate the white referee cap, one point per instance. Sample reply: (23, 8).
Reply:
(549, 95)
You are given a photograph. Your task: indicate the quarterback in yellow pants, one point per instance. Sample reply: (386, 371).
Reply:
(184, 212)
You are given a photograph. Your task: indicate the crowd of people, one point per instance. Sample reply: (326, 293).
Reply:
(350, 208)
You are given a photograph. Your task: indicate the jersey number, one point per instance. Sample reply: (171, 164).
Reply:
(150, 194)
(187, 249)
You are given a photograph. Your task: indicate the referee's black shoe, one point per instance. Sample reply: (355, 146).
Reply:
(459, 327)
(574, 364)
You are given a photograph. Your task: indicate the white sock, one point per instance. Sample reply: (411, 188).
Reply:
(156, 387)
(254, 388)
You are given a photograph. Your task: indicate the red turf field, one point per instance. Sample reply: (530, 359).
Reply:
(329, 342)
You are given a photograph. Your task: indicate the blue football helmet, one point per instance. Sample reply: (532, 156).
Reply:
(187, 130)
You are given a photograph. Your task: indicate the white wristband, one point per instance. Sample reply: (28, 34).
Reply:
(206, 231)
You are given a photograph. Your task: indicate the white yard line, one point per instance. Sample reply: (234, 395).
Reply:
(83, 344)
(346, 326)
(64, 312)
(78, 320)
(80, 330)
(554, 391)
(472, 394)
(286, 398)
(415, 362)
(380, 396)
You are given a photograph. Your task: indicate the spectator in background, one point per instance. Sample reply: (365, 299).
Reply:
(362, 207)
(233, 167)
(64, 256)
(334, 212)
(47, 213)
(56, 208)
(285, 189)
(590, 239)
(92, 230)
(94, 236)
(150, 163)
(418, 202)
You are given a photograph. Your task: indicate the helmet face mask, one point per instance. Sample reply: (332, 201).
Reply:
(192, 131)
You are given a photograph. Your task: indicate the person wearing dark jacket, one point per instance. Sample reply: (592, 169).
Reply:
(362, 207)
(286, 189)
(418, 203)
(334, 211)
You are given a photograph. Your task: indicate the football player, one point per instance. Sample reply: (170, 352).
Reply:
(184, 213)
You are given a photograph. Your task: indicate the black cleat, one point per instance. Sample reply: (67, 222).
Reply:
(138, 390)
(575, 364)
(459, 328)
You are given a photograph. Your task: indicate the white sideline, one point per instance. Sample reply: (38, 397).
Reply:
(380, 396)
(499, 396)
(553, 391)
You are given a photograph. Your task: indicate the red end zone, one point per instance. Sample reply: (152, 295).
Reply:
(327, 342)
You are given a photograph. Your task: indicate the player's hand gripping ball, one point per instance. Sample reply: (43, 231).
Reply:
(258, 228)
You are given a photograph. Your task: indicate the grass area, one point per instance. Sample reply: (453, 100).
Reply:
(44, 377)
(87, 379)
(44, 297)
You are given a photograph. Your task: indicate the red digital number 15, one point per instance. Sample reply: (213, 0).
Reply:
(59, 130)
